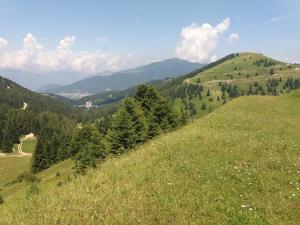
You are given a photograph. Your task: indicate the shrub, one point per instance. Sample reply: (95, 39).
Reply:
(1, 199)
(32, 190)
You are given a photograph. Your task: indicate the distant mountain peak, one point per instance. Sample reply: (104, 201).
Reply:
(172, 67)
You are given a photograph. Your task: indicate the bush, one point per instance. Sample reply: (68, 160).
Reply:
(28, 177)
(33, 190)
(1, 199)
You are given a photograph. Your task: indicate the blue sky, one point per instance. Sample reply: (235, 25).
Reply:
(144, 30)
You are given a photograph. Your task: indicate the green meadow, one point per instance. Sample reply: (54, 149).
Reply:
(237, 165)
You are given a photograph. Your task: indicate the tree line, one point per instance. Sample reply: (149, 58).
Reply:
(137, 119)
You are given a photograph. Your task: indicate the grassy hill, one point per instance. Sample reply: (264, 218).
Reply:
(237, 165)
(245, 69)
(237, 75)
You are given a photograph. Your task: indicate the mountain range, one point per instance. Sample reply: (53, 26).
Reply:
(124, 79)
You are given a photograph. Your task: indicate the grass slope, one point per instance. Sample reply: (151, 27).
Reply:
(28, 146)
(14, 190)
(241, 71)
(237, 165)
(10, 168)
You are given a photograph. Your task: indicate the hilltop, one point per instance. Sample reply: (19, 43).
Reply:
(238, 165)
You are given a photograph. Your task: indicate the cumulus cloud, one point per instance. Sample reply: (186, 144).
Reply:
(32, 56)
(3, 43)
(67, 42)
(198, 42)
(233, 38)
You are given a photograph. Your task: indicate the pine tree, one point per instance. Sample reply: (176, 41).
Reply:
(203, 106)
(208, 93)
(54, 134)
(138, 120)
(1, 199)
(158, 110)
(121, 133)
(184, 117)
(192, 107)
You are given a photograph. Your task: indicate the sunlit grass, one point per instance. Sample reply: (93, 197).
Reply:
(237, 165)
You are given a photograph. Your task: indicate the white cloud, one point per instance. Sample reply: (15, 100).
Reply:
(67, 42)
(30, 43)
(233, 38)
(32, 56)
(3, 43)
(198, 43)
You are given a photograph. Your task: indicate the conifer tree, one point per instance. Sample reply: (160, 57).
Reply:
(208, 92)
(121, 134)
(89, 148)
(1, 199)
(203, 106)
(184, 117)
(138, 120)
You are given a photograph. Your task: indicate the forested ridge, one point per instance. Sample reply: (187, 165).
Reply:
(87, 137)
(20, 111)
(145, 112)
(137, 119)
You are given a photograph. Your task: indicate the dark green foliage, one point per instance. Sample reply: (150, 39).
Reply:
(13, 124)
(1, 199)
(138, 119)
(142, 117)
(103, 123)
(54, 135)
(264, 62)
(14, 97)
(292, 84)
(89, 148)
(192, 107)
(158, 110)
(208, 93)
(121, 133)
(184, 117)
(129, 125)
(203, 106)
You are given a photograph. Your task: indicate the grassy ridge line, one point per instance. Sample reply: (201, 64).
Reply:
(165, 87)
(238, 165)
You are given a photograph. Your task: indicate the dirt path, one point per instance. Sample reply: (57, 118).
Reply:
(19, 152)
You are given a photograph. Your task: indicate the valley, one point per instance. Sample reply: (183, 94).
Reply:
(234, 165)
(223, 152)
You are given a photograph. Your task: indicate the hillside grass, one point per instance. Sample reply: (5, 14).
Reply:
(240, 71)
(239, 67)
(238, 165)
(14, 191)
(28, 146)
(10, 168)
